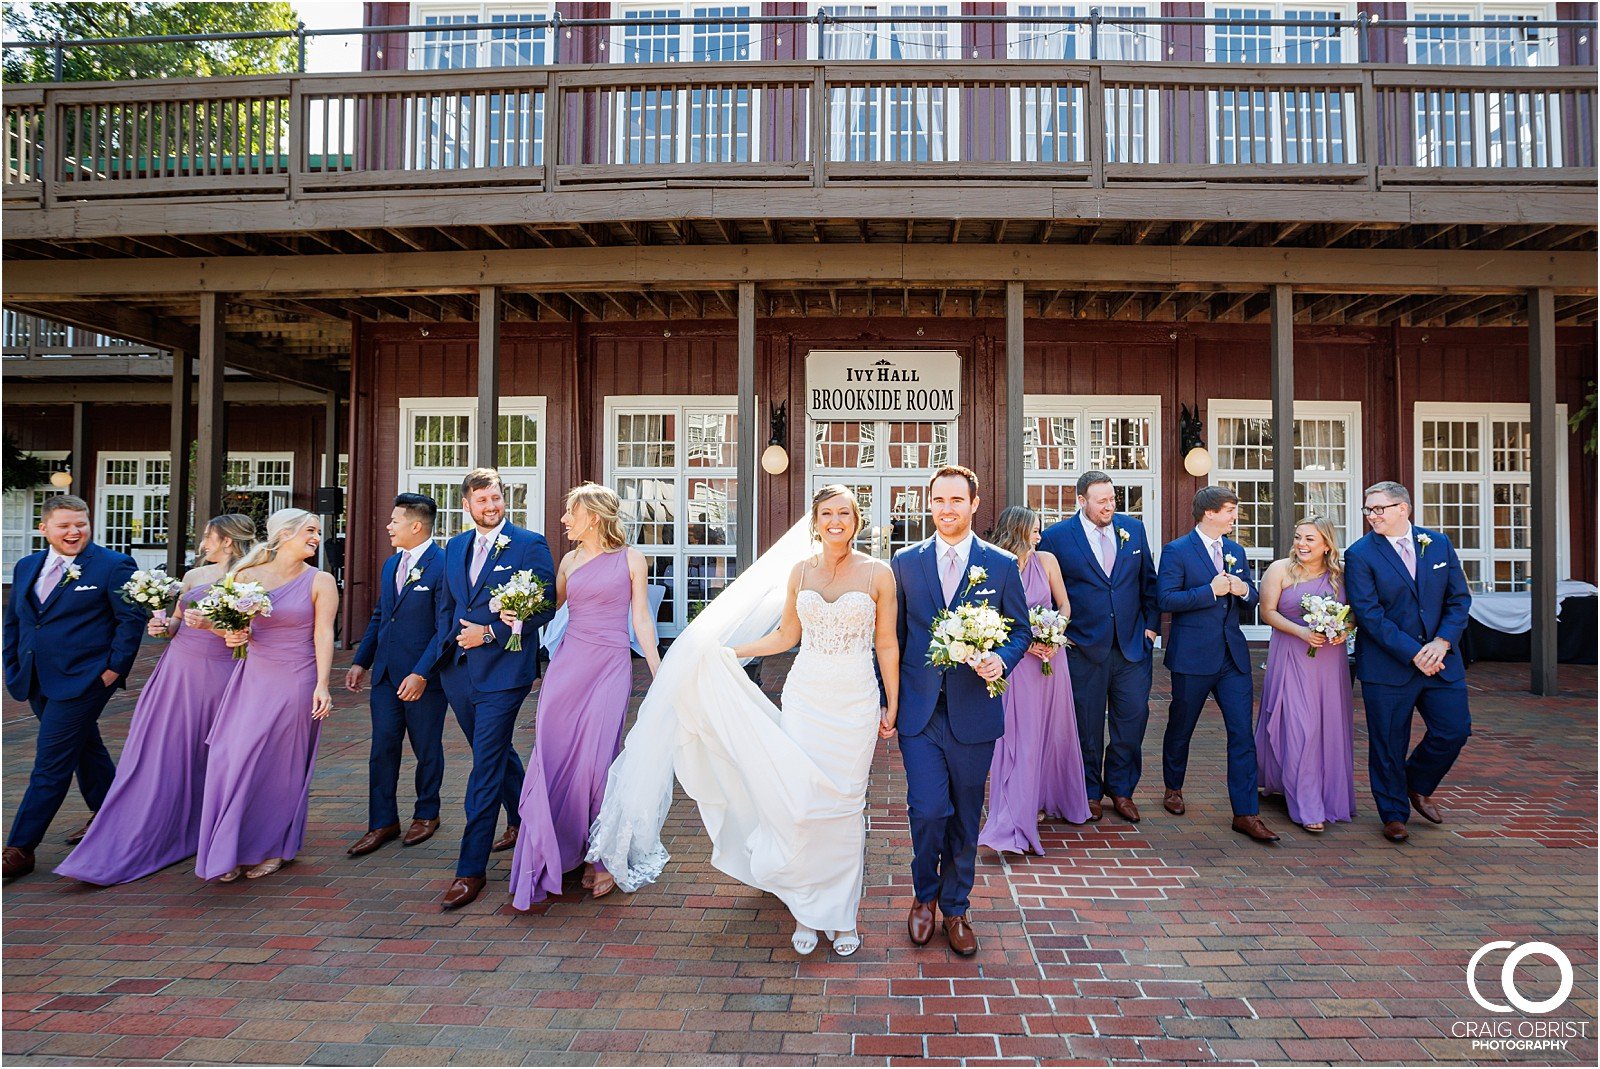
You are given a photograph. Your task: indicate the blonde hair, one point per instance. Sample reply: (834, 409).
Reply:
(238, 529)
(605, 506)
(281, 526)
(1013, 529)
(1331, 558)
(830, 491)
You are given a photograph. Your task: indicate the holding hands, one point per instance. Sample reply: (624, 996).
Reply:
(1430, 658)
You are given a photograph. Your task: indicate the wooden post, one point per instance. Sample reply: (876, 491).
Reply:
(330, 468)
(486, 425)
(1283, 515)
(82, 463)
(211, 432)
(1547, 443)
(1012, 468)
(750, 436)
(179, 537)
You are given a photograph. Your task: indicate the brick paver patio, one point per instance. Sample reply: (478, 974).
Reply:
(1172, 941)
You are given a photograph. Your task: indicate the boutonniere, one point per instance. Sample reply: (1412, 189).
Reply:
(975, 575)
(413, 575)
(1229, 560)
(1122, 535)
(74, 573)
(501, 543)
(1423, 542)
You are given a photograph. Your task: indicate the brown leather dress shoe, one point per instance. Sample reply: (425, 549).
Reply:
(919, 923)
(1125, 809)
(1251, 825)
(506, 841)
(959, 931)
(18, 861)
(374, 838)
(1395, 831)
(419, 832)
(1097, 810)
(77, 837)
(1172, 802)
(462, 891)
(1423, 804)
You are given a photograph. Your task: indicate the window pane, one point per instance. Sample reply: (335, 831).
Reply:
(649, 509)
(1450, 445)
(1319, 444)
(1513, 445)
(844, 444)
(451, 519)
(1455, 509)
(647, 440)
(439, 441)
(712, 441)
(710, 512)
(1119, 443)
(1254, 527)
(705, 578)
(1050, 443)
(278, 473)
(919, 445)
(1513, 516)
(122, 473)
(1244, 443)
(519, 441)
(1052, 501)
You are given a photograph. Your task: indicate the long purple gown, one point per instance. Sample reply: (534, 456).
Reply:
(1304, 742)
(1037, 764)
(151, 817)
(583, 703)
(264, 742)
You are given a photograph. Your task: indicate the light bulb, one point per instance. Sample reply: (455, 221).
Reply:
(1197, 461)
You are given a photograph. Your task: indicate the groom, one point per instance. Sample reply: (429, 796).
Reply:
(948, 724)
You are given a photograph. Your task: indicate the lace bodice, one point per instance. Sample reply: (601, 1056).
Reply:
(843, 626)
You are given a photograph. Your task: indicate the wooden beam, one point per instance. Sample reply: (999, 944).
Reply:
(749, 432)
(211, 426)
(82, 463)
(180, 426)
(486, 417)
(1012, 467)
(1283, 516)
(1544, 506)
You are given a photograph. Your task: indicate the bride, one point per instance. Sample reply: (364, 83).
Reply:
(782, 792)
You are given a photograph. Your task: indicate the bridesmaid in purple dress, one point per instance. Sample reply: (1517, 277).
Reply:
(264, 741)
(1304, 741)
(151, 817)
(1037, 765)
(583, 700)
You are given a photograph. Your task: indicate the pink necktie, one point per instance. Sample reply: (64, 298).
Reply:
(478, 557)
(1108, 550)
(951, 574)
(1407, 556)
(401, 572)
(50, 577)
(1216, 555)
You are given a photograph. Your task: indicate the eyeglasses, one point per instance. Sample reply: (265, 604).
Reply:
(1378, 510)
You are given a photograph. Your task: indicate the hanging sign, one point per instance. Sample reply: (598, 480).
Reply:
(863, 385)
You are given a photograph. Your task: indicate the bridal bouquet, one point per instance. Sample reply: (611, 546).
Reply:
(1326, 616)
(232, 604)
(964, 635)
(521, 594)
(153, 590)
(1049, 626)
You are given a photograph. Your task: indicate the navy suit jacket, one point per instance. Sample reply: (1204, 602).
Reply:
(59, 649)
(1396, 615)
(492, 668)
(401, 638)
(1199, 617)
(974, 716)
(1116, 609)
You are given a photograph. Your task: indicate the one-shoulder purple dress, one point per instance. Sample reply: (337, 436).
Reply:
(583, 703)
(151, 817)
(264, 742)
(1304, 735)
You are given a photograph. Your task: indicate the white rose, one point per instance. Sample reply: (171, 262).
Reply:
(960, 652)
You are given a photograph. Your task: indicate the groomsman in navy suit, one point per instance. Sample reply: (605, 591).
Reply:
(1110, 575)
(70, 641)
(1205, 584)
(486, 684)
(1410, 601)
(401, 651)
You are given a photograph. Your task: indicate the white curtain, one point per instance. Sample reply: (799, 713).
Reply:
(926, 135)
(849, 108)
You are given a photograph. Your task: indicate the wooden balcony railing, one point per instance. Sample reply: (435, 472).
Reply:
(1094, 124)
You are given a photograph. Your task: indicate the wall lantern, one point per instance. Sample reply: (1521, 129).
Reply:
(1196, 459)
(61, 479)
(775, 458)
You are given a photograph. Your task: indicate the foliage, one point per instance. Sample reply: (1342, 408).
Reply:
(48, 21)
(1587, 412)
(23, 470)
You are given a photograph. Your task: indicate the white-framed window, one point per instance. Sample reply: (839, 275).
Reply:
(1281, 126)
(341, 521)
(892, 123)
(1048, 124)
(1065, 435)
(437, 448)
(887, 463)
(494, 129)
(704, 125)
(1327, 471)
(1473, 465)
(22, 511)
(1473, 127)
(674, 463)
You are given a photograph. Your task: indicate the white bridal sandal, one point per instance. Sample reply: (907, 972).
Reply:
(846, 943)
(804, 939)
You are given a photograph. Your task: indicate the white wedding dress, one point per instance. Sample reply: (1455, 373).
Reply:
(782, 792)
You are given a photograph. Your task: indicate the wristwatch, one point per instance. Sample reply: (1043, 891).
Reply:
(488, 636)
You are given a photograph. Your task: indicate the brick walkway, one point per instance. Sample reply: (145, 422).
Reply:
(1172, 941)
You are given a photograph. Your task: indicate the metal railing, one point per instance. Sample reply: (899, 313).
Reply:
(1097, 124)
(29, 337)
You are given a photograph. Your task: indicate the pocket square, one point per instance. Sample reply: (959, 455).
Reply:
(86, 586)
(502, 567)
(421, 588)
(980, 593)
(1441, 564)
(1136, 552)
